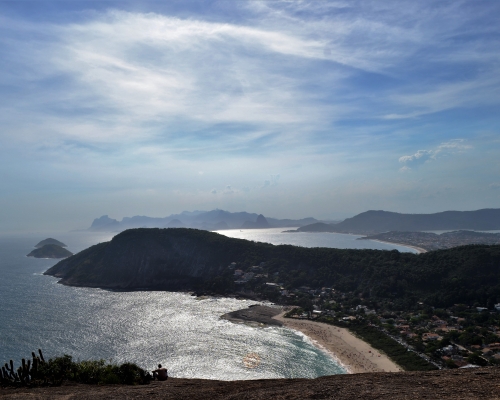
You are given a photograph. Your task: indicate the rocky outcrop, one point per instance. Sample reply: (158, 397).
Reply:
(256, 314)
(105, 224)
(260, 223)
(476, 383)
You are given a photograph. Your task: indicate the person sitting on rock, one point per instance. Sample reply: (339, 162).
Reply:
(160, 373)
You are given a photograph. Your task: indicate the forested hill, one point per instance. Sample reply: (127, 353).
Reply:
(383, 221)
(182, 259)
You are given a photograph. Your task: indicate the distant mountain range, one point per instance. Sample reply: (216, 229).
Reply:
(371, 222)
(207, 220)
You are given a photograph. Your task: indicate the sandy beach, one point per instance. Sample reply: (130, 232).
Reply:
(355, 355)
(419, 249)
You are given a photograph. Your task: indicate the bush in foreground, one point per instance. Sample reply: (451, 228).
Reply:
(38, 372)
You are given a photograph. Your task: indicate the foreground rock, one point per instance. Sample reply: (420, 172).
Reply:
(478, 383)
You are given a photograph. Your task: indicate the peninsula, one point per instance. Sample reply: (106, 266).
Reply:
(189, 259)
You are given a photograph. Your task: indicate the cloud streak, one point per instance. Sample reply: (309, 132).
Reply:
(421, 157)
(327, 93)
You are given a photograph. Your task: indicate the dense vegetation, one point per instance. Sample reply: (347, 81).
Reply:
(187, 258)
(408, 360)
(38, 372)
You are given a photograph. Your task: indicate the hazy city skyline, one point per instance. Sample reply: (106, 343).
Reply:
(289, 109)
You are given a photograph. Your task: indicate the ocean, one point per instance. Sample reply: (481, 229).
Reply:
(184, 333)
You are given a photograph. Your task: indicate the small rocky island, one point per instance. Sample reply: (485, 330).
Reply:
(50, 248)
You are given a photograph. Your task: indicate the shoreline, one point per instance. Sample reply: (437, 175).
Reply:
(419, 249)
(353, 354)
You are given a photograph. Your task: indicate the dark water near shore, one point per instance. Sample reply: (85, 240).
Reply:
(176, 329)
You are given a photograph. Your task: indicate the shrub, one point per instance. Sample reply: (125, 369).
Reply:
(56, 370)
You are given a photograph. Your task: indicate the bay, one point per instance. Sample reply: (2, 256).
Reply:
(175, 329)
(277, 236)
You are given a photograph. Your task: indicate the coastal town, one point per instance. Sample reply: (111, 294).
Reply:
(454, 337)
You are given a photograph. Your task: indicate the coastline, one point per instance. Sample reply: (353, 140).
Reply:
(419, 249)
(353, 354)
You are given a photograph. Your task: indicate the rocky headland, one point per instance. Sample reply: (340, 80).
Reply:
(180, 259)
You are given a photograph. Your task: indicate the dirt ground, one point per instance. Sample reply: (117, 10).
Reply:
(477, 383)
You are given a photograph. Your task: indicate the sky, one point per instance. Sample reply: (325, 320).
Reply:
(286, 108)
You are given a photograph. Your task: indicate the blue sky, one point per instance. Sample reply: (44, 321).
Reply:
(290, 109)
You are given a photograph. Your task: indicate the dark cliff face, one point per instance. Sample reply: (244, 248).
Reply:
(169, 259)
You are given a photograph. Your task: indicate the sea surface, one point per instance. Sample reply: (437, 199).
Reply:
(175, 329)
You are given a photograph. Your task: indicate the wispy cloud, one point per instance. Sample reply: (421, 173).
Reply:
(327, 93)
(127, 76)
(474, 92)
(455, 146)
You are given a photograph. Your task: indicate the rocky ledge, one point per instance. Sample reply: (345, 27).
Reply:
(255, 315)
(477, 383)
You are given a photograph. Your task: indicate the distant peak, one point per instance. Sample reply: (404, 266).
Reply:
(102, 221)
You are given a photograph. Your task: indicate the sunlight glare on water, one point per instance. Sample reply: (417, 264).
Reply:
(277, 236)
(175, 329)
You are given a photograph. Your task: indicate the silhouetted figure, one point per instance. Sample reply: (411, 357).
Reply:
(160, 373)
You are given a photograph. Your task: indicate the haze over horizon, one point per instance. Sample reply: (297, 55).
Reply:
(289, 109)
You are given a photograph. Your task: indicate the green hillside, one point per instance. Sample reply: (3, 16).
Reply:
(181, 259)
